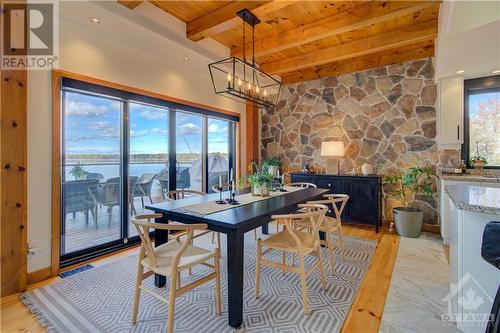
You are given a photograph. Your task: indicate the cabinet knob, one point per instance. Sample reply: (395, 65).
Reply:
(329, 185)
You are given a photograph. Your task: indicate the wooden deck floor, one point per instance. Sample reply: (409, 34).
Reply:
(365, 314)
(80, 234)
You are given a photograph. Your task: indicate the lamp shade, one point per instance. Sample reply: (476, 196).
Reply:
(332, 148)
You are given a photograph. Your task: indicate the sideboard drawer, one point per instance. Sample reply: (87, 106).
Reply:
(335, 185)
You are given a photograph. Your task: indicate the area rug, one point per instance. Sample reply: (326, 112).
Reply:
(100, 299)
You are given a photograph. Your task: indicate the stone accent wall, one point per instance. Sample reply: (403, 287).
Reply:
(387, 113)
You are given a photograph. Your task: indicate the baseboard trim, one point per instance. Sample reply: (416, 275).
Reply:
(39, 275)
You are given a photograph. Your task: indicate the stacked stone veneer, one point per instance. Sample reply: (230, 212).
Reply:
(387, 113)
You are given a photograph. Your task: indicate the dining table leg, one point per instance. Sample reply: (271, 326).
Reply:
(235, 258)
(265, 229)
(161, 237)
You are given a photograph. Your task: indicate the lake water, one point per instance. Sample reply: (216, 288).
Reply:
(113, 170)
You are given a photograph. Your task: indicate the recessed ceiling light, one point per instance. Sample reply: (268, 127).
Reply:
(95, 20)
(185, 58)
(461, 71)
(496, 71)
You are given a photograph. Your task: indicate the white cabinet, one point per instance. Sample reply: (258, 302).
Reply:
(473, 281)
(451, 112)
(444, 206)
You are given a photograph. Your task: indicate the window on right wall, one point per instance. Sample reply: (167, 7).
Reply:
(482, 120)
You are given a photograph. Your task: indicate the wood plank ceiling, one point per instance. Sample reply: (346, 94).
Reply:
(305, 40)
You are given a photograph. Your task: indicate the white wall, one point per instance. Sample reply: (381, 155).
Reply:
(468, 38)
(115, 50)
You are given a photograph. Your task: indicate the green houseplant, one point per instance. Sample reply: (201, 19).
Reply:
(272, 165)
(260, 180)
(78, 172)
(405, 185)
(478, 161)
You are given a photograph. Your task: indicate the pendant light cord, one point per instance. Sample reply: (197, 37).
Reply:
(253, 45)
(244, 47)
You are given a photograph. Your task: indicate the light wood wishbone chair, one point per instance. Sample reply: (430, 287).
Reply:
(303, 184)
(169, 260)
(298, 243)
(297, 184)
(331, 224)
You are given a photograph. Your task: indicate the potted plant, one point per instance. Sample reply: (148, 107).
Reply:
(405, 185)
(78, 172)
(272, 165)
(478, 161)
(261, 180)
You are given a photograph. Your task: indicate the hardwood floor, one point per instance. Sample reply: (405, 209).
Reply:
(365, 314)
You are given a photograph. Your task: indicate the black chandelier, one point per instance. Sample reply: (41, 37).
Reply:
(241, 80)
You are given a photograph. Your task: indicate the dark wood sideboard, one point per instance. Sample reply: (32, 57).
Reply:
(365, 195)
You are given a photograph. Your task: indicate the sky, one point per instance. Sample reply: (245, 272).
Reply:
(93, 127)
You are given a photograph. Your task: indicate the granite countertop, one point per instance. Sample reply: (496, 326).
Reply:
(475, 198)
(471, 178)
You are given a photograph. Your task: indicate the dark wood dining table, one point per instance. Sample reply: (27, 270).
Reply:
(234, 222)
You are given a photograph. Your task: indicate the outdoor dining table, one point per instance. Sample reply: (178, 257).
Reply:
(234, 222)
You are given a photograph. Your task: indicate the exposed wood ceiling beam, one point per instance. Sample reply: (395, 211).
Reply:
(130, 4)
(224, 18)
(417, 51)
(385, 41)
(352, 19)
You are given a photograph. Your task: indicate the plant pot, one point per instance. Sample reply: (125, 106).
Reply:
(273, 170)
(408, 221)
(478, 164)
(260, 190)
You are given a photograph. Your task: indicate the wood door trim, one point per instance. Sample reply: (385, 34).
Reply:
(139, 91)
(57, 75)
(252, 133)
(56, 171)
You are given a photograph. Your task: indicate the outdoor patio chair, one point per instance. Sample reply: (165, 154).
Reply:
(143, 186)
(108, 195)
(77, 199)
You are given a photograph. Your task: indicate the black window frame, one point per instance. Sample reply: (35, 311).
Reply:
(473, 87)
(126, 97)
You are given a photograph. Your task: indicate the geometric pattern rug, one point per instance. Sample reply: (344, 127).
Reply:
(100, 299)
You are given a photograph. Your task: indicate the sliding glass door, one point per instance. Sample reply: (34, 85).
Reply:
(218, 151)
(148, 157)
(121, 152)
(189, 151)
(91, 178)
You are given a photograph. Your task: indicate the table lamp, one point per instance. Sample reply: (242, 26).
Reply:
(333, 151)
